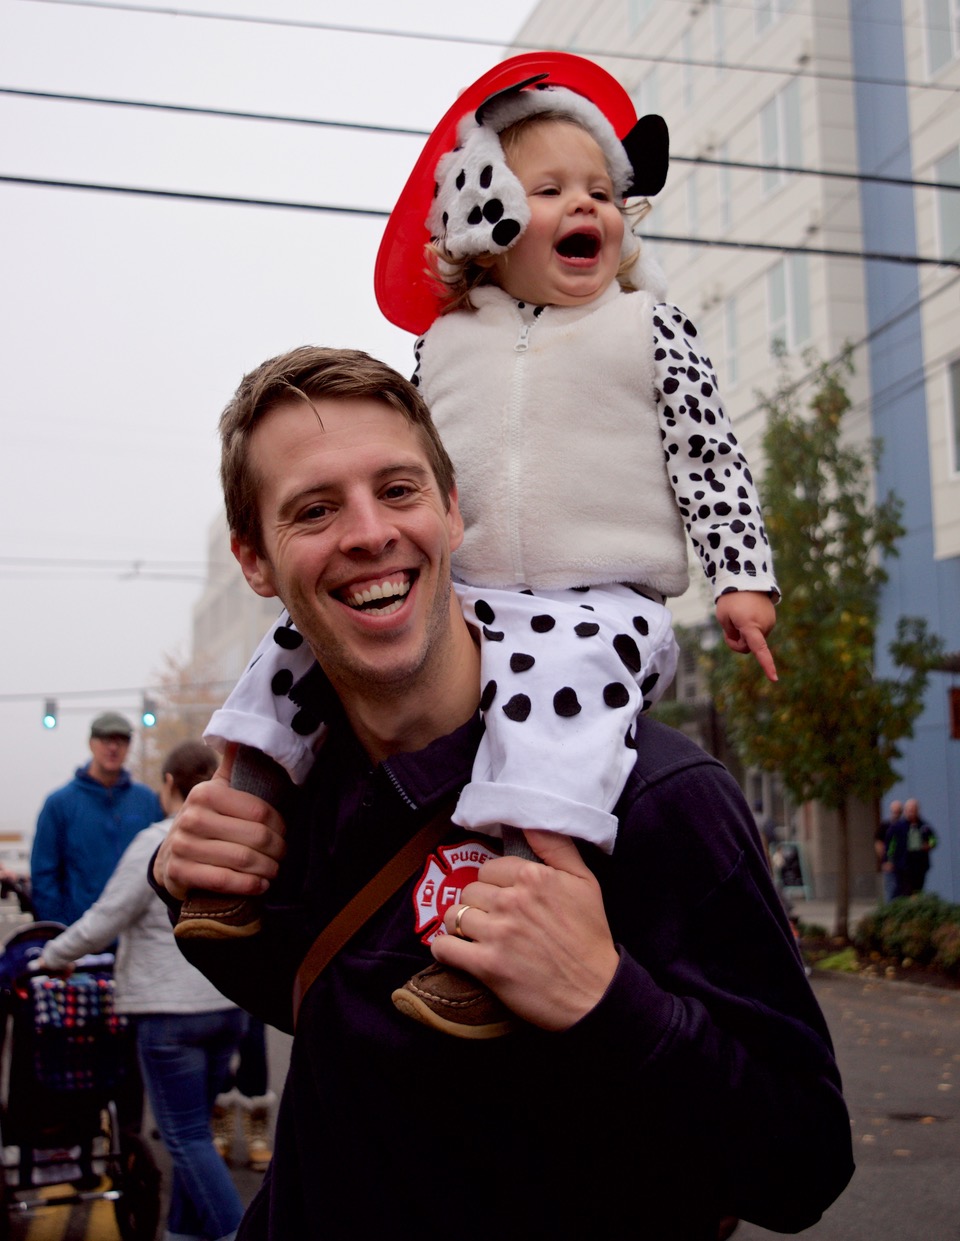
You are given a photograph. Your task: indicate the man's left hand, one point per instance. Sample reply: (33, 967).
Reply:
(538, 934)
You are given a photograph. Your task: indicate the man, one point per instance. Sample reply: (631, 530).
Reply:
(909, 842)
(85, 826)
(880, 842)
(671, 1068)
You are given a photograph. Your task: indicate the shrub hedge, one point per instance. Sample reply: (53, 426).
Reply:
(923, 928)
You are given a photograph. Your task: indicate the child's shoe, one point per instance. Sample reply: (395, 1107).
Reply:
(451, 1001)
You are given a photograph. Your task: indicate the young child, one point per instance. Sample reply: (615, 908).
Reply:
(583, 419)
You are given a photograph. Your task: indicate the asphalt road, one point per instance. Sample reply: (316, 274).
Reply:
(898, 1047)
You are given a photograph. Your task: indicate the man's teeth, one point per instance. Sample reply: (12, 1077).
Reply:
(378, 591)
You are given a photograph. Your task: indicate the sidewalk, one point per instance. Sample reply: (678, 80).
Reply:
(823, 913)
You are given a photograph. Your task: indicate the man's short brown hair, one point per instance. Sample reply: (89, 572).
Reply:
(311, 373)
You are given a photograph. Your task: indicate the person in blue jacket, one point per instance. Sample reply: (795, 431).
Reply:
(85, 826)
(670, 1070)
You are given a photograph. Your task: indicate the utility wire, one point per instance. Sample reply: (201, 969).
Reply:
(478, 41)
(378, 212)
(364, 127)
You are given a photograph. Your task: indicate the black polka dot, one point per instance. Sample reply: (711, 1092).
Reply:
(488, 695)
(486, 176)
(485, 613)
(628, 651)
(493, 635)
(282, 682)
(505, 231)
(305, 722)
(521, 663)
(616, 694)
(542, 624)
(475, 216)
(641, 624)
(492, 210)
(586, 629)
(288, 638)
(648, 683)
(565, 702)
(518, 708)
(461, 180)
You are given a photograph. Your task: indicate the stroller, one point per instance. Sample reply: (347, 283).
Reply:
(62, 1059)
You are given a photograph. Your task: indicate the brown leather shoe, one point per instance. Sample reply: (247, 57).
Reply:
(454, 1003)
(212, 915)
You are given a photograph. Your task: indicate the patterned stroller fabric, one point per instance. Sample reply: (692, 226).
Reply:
(77, 1031)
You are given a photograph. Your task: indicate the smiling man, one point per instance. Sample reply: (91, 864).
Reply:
(85, 826)
(660, 996)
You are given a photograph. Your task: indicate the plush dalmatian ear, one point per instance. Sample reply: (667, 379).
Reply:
(648, 149)
(480, 206)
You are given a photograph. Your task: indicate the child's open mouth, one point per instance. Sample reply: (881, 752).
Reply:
(579, 246)
(382, 597)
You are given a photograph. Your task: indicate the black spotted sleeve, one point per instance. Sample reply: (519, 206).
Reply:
(708, 471)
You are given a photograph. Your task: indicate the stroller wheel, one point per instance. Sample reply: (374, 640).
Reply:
(138, 1207)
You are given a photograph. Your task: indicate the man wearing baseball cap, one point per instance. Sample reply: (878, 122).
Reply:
(87, 824)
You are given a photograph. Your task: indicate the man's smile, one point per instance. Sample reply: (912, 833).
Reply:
(383, 596)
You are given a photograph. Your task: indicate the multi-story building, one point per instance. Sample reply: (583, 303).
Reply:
(228, 619)
(798, 130)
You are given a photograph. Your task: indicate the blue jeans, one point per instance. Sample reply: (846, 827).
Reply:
(186, 1060)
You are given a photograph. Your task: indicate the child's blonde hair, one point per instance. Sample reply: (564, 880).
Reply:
(456, 278)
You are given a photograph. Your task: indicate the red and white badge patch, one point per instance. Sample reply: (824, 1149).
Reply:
(446, 874)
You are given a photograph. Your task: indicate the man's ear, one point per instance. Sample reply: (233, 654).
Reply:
(454, 519)
(256, 569)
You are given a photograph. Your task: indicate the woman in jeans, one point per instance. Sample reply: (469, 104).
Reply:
(186, 1030)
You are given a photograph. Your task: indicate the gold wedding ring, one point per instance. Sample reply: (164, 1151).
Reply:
(457, 929)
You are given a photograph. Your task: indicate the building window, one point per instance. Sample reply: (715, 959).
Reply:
(788, 302)
(637, 13)
(953, 397)
(689, 74)
(724, 190)
(768, 11)
(942, 21)
(646, 93)
(947, 170)
(719, 35)
(693, 206)
(731, 348)
(780, 135)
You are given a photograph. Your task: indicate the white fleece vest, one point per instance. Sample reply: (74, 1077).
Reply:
(553, 429)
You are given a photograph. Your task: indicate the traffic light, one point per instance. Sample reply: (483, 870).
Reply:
(148, 713)
(50, 713)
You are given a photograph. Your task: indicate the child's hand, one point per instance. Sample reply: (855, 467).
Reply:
(746, 617)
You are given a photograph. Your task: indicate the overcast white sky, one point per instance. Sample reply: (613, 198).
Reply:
(126, 322)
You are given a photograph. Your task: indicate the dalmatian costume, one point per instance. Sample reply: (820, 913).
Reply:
(589, 442)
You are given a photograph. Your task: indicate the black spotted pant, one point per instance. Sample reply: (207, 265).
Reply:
(564, 676)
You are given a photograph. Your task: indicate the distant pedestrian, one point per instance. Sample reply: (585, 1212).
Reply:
(186, 1030)
(880, 841)
(919, 842)
(85, 826)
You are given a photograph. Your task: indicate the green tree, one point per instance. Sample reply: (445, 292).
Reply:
(830, 726)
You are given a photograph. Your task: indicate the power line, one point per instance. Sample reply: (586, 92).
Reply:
(136, 691)
(376, 212)
(392, 130)
(478, 41)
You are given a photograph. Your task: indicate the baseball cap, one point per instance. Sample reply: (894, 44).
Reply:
(111, 724)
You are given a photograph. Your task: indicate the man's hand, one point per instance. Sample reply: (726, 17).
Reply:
(222, 840)
(746, 617)
(538, 935)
